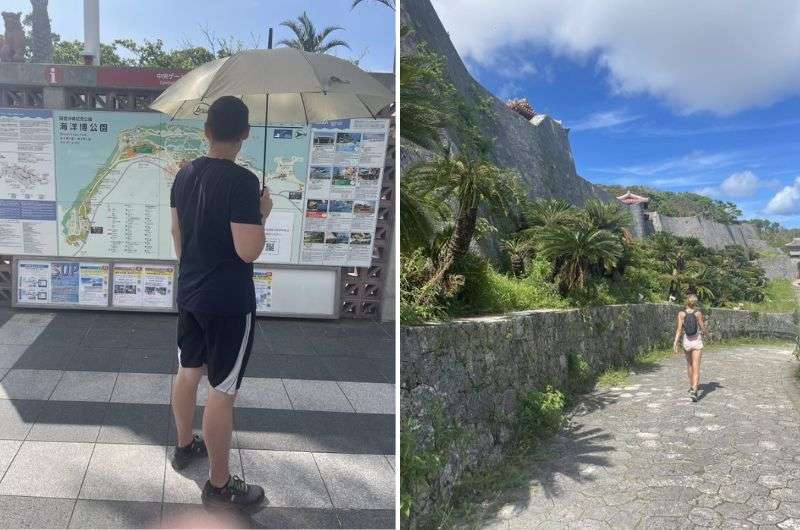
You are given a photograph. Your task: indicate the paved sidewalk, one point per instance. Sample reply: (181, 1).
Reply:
(645, 456)
(86, 429)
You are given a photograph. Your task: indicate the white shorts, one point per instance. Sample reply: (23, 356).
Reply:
(695, 342)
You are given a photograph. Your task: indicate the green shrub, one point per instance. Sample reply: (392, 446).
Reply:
(779, 297)
(540, 414)
(417, 468)
(579, 374)
(415, 269)
(487, 291)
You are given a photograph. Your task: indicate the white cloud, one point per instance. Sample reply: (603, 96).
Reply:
(517, 70)
(691, 162)
(740, 184)
(602, 120)
(717, 55)
(786, 201)
(708, 191)
(509, 90)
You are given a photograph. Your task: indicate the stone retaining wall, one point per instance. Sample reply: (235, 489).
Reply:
(470, 372)
(711, 233)
(779, 267)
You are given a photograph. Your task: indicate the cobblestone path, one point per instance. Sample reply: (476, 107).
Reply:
(645, 456)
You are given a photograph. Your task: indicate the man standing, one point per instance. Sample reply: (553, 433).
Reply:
(218, 215)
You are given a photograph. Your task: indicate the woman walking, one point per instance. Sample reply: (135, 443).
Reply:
(691, 323)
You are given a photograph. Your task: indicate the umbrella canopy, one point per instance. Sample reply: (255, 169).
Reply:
(279, 86)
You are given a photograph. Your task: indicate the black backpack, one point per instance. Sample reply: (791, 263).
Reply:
(690, 324)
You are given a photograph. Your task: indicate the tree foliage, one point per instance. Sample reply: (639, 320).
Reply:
(151, 54)
(306, 37)
(388, 3)
(683, 204)
(426, 98)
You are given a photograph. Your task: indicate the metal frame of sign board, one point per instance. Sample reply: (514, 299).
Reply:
(110, 307)
(336, 294)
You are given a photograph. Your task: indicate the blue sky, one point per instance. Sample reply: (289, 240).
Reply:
(369, 29)
(658, 95)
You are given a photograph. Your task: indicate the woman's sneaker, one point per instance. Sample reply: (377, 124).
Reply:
(184, 455)
(693, 395)
(235, 494)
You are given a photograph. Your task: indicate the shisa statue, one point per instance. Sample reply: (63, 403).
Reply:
(12, 48)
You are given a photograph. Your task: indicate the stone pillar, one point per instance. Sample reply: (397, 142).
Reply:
(388, 313)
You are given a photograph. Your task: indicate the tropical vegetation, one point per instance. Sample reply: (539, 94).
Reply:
(307, 38)
(473, 243)
(683, 204)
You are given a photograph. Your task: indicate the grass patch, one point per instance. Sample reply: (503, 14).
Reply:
(779, 297)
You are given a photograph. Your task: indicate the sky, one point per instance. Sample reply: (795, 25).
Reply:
(369, 29)
(674, 94)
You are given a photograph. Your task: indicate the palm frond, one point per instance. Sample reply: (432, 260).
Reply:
(332, 44)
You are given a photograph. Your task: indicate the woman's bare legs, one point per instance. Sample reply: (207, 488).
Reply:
(696, 356)
(689, 368)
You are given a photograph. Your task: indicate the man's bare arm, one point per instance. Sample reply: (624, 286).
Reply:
(248, 241)
(176, 232)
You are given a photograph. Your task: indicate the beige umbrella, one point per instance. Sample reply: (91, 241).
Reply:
(279, 86)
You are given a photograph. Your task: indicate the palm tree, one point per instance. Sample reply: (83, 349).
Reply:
(307, 38)
(469, 183)
(387, 3)
(575, 249)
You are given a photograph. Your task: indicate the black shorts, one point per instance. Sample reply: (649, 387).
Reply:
(222, 343)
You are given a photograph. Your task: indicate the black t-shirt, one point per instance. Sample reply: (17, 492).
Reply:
(210, 194)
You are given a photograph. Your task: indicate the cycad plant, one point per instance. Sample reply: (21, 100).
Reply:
(518, 250)
(575, 248)
(469, 185)
(609, 216)
(307, 38)
(420, 215)
(542, 212)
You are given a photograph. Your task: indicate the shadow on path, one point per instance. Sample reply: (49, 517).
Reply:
(570, 456)
(707, 388)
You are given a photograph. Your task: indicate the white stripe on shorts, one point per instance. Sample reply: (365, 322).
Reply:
(229, 384)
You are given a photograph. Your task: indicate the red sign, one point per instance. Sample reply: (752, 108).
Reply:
(137, 77)
(53, 74)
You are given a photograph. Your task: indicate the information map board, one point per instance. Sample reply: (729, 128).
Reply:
(281, 290)
(96, 184)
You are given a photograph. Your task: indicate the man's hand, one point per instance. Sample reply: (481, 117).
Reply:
(265, 204)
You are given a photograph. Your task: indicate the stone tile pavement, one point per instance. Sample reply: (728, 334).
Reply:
(645, 456)
(86, 428)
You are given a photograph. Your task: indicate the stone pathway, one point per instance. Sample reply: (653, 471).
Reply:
(86, 429)
(645, 456)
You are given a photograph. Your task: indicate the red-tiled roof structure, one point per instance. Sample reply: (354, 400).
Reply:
(632, 198)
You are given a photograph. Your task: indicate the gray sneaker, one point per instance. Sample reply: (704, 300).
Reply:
(183, 456)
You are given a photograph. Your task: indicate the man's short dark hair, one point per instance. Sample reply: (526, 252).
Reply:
(227, 119)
